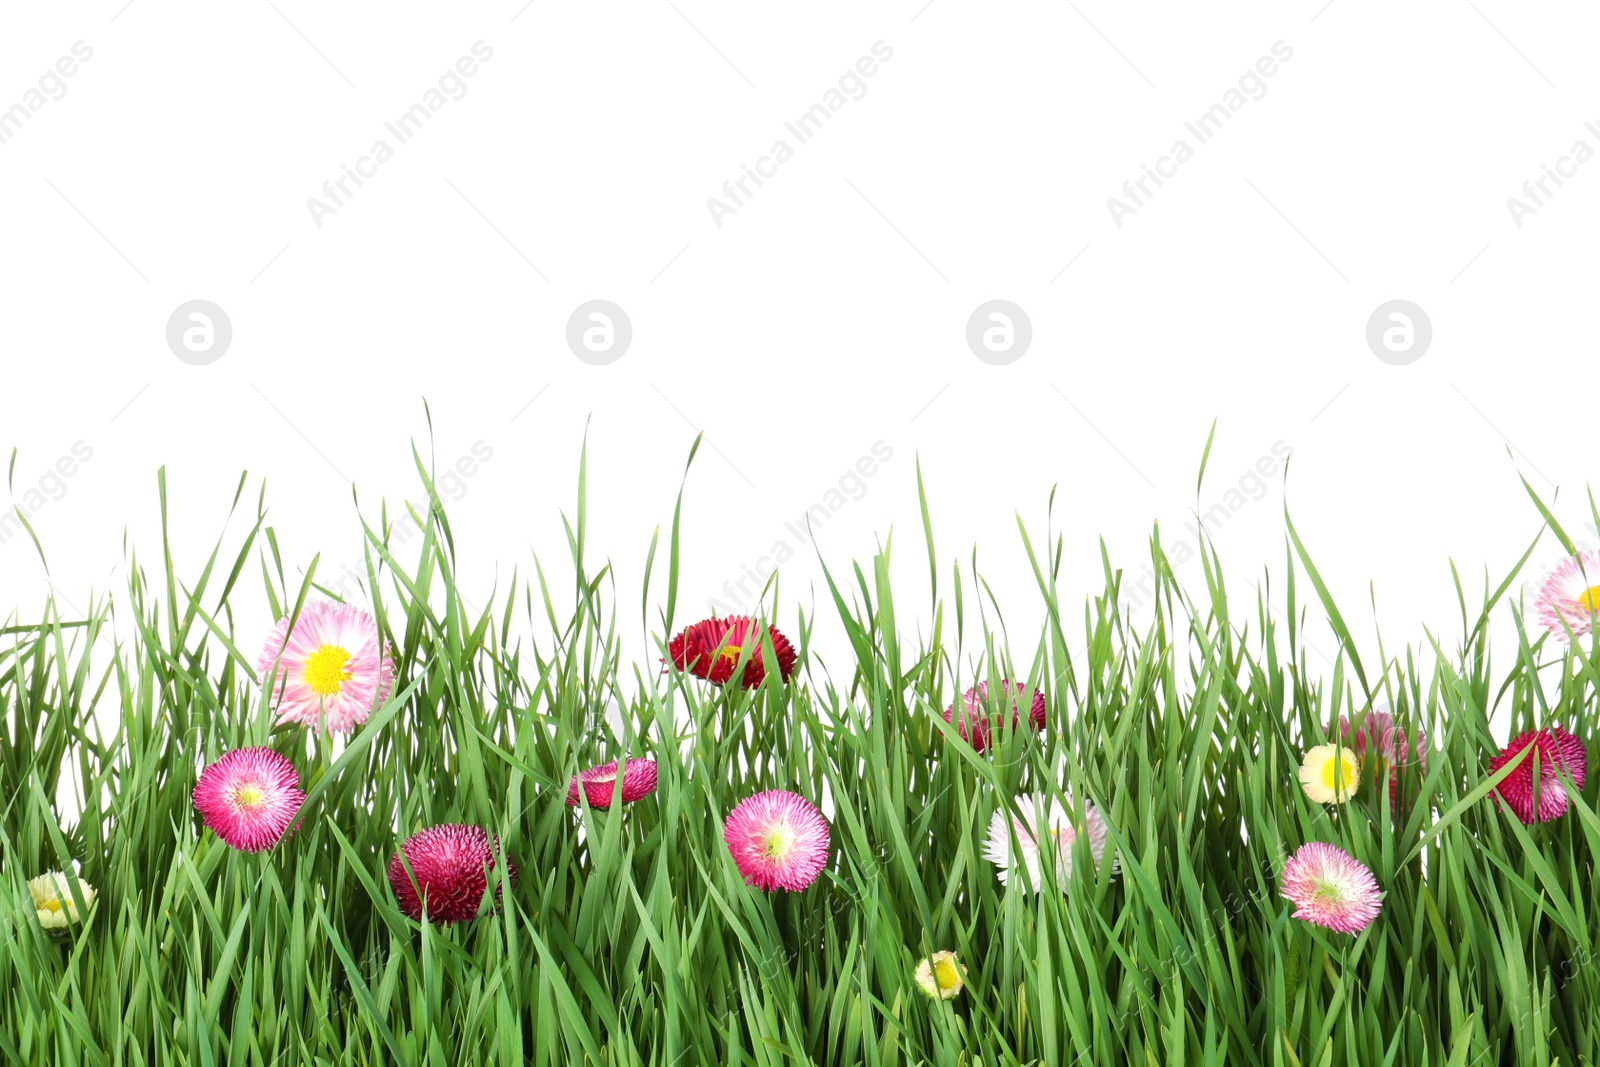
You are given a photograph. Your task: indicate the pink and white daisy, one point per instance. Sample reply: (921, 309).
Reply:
(976, 722)
(778, 839)
(998, 848)
(249, 797)
(1330, 888)
(453, 865)
(1556, 751)
(599, 783)
(331, 669)
(1571, 593)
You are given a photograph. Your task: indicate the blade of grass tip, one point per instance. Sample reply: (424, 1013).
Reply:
(1204, 456)
(1488, 605)
(1550, 519)
(677, 527)
(927, 530)
(644, 596)
(37, 547)
(1335, 619)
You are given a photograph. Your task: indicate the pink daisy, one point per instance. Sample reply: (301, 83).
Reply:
(453, 865)
(1379, 740)
(249, 797)
(1330, 888)
(1556, 751)
(779, 840)
(1572, 593)
(997, 849)
(976, 721)
(333, 667)
(599, 783)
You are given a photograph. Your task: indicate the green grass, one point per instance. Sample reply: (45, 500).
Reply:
(630, 938)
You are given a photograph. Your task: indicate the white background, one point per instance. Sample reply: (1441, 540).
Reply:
(829, 312)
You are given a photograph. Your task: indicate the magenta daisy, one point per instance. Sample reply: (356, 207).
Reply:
(997, 849)
(779, 840)
(1571, 594)
(452, 865)
(976, 722)
(1330, 888)
(1535, 791)
(332, 668)
(249, 797)
(599, 783)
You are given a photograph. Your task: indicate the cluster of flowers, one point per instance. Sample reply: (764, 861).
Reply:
(331, 671)
(1332, 888)
(1328, 885)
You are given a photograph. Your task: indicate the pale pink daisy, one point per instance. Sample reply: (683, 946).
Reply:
(778, 839)
(599, 783)
(249, 797)
(1384, 747)
(1536, 791)
(998, 848)
(1330, 888)
(1571, 593)
(333, 667)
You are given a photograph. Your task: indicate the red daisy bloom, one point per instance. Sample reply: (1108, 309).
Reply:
(1557, 751)
(975, 722)
(599, 783)
(452, 865)
(710, 648)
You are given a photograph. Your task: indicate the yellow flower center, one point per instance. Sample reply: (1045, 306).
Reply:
(50, 906)
(779, 842)
(325, 672)
(1589, 599)
(247, 795)
(731, 653)
(1340, 773)
(945, 973)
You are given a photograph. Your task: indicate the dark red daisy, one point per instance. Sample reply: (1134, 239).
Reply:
(709, 649)
(452, 865)
(975, 723)
(1557, 751)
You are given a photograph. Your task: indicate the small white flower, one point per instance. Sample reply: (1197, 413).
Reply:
(998, 849)
(52, 898)
(941, 975)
